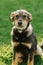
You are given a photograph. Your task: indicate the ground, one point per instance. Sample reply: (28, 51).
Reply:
(6, 7)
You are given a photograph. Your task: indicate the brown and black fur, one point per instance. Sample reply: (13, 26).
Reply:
(24, 45)
(22, 48)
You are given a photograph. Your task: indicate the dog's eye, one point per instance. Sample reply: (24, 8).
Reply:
(17, 16)
(24, 16)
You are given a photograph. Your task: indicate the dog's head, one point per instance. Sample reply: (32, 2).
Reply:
(21, 19)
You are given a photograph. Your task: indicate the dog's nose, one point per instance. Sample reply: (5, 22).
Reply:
(20, 23)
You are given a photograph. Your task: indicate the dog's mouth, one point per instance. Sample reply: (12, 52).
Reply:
(20, 28)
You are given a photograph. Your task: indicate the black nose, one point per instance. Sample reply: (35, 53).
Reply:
(20, 23)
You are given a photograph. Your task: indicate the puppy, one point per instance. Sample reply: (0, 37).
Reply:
(24, 42)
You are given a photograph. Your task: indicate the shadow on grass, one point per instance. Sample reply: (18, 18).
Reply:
(38, 60)
(8, 61)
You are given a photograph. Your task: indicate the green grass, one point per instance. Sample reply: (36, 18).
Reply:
(6, 7)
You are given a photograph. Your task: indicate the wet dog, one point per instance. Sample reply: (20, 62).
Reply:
(24, 41)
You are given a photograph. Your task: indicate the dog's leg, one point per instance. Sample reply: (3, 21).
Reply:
(16, 58)
(14, 61)
(30, 61)
(16, 55)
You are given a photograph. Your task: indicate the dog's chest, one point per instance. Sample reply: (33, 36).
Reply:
(24, 41)
(21, 37)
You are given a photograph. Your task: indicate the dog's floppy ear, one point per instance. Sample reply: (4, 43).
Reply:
(30, 16)
(12, 16)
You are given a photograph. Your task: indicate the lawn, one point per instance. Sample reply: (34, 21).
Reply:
(6, 7)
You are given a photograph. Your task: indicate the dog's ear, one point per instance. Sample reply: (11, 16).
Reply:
(30, 16)
(12, 16)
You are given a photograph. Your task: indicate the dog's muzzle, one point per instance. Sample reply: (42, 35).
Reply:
(20, 27)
